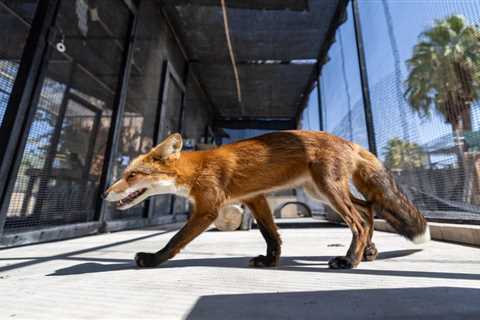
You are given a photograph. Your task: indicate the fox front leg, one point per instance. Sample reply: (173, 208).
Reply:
(261, 211)
(198, 222)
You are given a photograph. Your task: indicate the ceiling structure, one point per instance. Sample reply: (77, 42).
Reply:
(277, 44)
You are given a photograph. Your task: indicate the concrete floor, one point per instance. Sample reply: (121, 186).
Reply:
(94, 277)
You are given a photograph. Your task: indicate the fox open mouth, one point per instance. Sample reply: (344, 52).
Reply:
(130, 198)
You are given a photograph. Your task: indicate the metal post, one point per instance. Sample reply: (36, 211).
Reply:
(319, 99)
(20, 109)
(367, 105)
(117, 117)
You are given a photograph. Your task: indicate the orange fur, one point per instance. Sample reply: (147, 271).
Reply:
(244, 171)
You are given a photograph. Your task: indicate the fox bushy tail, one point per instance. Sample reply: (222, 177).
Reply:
(387, 200)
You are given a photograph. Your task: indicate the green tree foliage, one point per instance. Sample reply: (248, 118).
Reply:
(400, 154)
(444, 71)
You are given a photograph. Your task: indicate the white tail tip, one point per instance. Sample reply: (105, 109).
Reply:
(422, 238)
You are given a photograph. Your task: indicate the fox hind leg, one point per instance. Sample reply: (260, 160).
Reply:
(334, 185)
(262, 214)
(366, 211)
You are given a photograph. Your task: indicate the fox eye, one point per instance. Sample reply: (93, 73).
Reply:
(132, 175)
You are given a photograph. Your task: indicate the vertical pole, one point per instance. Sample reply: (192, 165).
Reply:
(367, 105)
(117, 118)
(319, 99)
(20, 110)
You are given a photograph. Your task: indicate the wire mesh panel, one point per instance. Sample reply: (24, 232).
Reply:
(57, 182)
(310, 115)
(15, 17)
(423, 65)
(143, 97)
(341, 93)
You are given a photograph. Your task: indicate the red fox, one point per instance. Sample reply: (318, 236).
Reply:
(246, 170)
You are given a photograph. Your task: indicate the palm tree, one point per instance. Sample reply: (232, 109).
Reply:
(444, 71)
(400, 154)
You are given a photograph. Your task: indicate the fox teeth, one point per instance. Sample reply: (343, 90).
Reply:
(132, 196)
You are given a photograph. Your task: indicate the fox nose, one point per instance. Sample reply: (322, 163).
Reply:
(105, 194)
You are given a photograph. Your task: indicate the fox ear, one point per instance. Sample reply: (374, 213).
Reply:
(170, 147)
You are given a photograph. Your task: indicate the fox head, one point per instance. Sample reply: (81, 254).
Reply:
(149, 174)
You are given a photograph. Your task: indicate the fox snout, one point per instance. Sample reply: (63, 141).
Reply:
(119, 187)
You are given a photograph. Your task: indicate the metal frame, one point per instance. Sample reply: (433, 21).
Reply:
(23, 101)
(319, 101)
(20, 110)
(117, 117)
(367, 104)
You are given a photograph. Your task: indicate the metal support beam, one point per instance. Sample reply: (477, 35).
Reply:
(255, 123)
(367, 104)
(117, 117)
(20, 110)
(319, 102)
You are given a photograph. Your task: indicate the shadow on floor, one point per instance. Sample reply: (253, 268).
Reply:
(69, 255)
(295, 263)
(406, 303)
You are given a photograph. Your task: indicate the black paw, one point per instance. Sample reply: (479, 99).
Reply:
(370, 253)
(146, 260)
(342, 263)
(263, 261)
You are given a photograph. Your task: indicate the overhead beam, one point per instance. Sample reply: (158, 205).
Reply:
(294, 5)
(255, 123)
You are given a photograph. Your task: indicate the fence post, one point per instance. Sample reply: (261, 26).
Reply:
(319, 99)
(367, 104)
